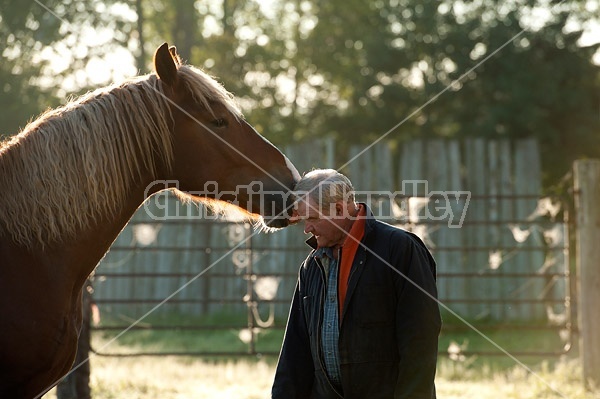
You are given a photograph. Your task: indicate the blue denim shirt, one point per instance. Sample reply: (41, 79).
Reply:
(330, 329)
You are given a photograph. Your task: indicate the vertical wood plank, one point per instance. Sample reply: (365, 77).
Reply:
(412, 168)
(477, 258)
(454, 237)
(494, 286)
(383, 168)
(587, 188)
(438, 234)
(412, 183)
(506, 216)
(527, 187)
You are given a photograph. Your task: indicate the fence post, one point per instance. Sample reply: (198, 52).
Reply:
(587, 207)
(77, 384)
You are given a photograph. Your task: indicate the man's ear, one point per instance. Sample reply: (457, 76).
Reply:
(165, 66)
(340, 208)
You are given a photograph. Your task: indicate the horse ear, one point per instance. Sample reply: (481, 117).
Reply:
(176, 57)
(164, 65)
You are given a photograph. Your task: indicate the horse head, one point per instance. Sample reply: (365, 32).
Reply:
(217, 155)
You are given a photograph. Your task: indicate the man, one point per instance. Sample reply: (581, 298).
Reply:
(364, 320)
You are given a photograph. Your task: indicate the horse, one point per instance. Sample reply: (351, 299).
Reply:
(71, 180)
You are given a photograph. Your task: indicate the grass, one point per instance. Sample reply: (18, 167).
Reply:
(223, 339)
(173, 377)
(177, 377)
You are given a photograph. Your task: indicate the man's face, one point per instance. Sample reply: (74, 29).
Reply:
(325, 224)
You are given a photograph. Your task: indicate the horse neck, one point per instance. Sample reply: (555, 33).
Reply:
(82, 254)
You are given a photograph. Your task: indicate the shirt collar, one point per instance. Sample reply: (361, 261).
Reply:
(324, 251)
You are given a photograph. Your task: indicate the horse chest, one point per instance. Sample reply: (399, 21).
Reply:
(41, 318)
(35, 354)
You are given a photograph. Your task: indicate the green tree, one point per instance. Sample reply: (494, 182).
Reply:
(252, 53)
(303, 69)
(389, 60)
(31, 33)
(19, 97)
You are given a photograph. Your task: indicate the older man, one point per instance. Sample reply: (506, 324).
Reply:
(364, 320)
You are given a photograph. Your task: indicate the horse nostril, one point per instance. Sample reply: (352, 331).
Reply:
(277, 223)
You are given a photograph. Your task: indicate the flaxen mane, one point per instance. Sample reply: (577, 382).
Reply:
(75, 164)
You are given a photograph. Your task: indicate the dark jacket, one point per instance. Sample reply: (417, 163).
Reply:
(388, 330)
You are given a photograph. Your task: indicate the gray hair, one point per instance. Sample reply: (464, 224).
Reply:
(324, 187)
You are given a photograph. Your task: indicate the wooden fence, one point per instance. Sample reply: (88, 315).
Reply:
(501, 252)
(587, 193)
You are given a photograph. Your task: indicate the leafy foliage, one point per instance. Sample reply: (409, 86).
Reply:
(32, 33)
(355, 70)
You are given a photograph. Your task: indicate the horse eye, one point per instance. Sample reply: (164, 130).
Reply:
(220, 122)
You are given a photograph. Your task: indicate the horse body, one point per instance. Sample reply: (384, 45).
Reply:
(43, 267)
(41, 304)
(39, 324)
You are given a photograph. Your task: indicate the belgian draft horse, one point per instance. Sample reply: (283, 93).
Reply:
(72, 179)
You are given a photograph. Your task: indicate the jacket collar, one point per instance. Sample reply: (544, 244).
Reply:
(312, 241)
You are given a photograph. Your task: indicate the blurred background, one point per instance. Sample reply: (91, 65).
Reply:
(491, 99)
(347, 69)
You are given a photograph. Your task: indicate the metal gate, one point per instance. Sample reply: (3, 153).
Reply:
(503, 270)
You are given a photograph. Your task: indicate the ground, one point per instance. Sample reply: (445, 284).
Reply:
(179, 378)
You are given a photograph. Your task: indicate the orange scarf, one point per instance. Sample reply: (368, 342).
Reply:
(348, 252)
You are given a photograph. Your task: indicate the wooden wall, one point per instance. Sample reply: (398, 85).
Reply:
(498, 250)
